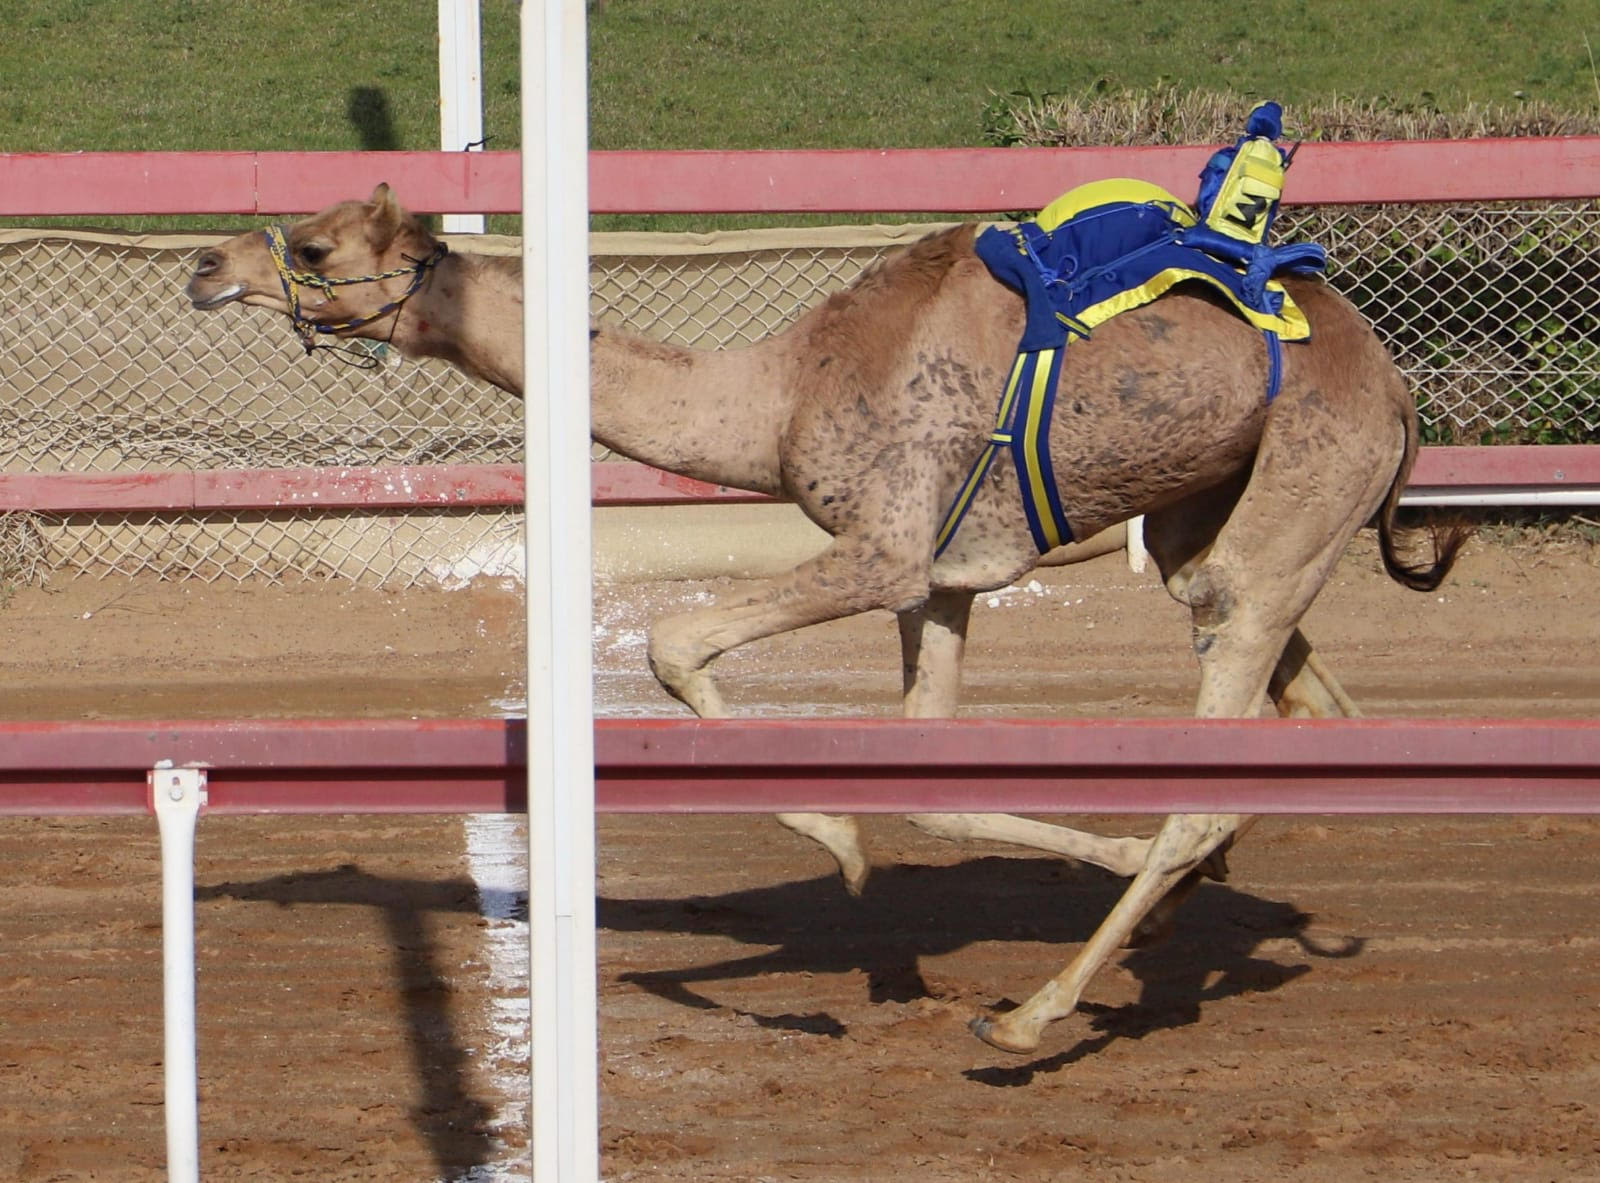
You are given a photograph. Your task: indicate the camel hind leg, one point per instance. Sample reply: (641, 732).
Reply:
(1183, 841)
(1301, 685)
(931, 641)
(1246, 597)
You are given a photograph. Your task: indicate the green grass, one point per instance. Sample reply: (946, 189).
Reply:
(284, 74)
(840, 73)
(205, 75)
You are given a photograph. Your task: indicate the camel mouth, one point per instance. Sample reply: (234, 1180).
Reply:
(216, 299)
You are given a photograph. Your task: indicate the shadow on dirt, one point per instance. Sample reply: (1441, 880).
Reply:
(449, 1117)
(912, 911)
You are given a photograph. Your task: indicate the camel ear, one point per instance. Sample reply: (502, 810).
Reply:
(386, 218)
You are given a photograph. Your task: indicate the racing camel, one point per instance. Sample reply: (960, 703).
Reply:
(869, 411)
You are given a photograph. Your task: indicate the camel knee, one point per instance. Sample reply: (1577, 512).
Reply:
(675, 652)
(1211, 603)
(1211, 599)
(678, 657)
(1193, 840)
(1239, 631)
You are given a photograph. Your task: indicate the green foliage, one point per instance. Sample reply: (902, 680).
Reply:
(1566, 408)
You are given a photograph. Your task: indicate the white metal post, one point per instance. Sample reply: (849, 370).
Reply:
(461, 91)
(1138, 556)
(555, 220)
(176, 795)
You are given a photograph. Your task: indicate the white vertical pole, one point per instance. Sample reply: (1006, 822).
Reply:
(561, 872)
(460, 91)
(176, 795)
(1137, 555)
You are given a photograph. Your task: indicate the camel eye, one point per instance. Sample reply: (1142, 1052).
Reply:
(312, 254)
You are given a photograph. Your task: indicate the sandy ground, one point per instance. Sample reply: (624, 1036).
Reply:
(1388, 997)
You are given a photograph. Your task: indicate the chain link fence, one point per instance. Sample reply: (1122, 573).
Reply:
(104, 367)
(1491, 310)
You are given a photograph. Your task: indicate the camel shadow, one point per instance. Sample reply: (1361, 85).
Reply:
(453, 1122)
(911, 911)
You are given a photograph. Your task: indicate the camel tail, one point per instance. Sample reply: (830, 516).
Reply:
(1448, 534)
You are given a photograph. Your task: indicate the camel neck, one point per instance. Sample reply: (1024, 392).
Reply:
(469, 314)
(715, 415)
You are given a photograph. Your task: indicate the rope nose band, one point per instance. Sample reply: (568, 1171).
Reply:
(294, 279)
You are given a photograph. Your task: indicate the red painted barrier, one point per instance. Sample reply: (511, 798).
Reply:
(1558, 467)
(1352, 766)
(937, 180)
(396, 487)
(337, 488)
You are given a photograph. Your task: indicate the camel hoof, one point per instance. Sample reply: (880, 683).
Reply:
(988, 1030)
(855, 876)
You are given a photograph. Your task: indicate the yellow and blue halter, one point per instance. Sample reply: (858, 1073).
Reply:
(294, 279)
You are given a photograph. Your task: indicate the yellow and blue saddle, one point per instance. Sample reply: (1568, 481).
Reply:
(1109, 246)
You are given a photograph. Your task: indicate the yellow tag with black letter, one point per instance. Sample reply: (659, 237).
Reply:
(1249, 193)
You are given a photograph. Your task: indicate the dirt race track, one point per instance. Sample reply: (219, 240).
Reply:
(1390, 997)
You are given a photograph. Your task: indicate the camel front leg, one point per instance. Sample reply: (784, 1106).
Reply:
(841, 581)
(932, 644)
(1120, 856)
(1182, 844)
(849, 577)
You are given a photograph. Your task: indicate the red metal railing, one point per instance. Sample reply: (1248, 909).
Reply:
(846, 765)
(943, 180)
(1556, 466)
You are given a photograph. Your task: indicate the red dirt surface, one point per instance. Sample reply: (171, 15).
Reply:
(1391, 997)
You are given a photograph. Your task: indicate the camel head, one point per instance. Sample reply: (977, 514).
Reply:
(343, 272)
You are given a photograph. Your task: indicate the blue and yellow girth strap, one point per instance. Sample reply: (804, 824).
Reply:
(1105, 248)
(1029, 395)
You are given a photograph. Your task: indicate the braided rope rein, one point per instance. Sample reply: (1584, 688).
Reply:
(294, 280)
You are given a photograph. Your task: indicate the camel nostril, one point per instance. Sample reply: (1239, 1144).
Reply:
(208, 263)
